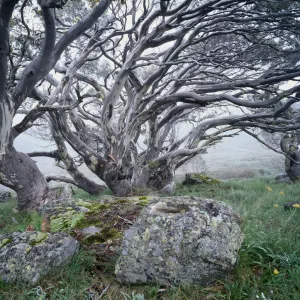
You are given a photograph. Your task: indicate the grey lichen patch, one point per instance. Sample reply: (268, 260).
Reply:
(5, 196)
(162, 207)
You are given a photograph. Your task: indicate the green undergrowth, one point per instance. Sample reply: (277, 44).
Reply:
(11, 221)
(269, 260)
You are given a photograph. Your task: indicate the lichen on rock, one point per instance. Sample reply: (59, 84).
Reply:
(5, 241)
(5, 196)
(180, 240)
(26, 257)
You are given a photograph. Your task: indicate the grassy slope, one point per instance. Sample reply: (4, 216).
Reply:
(271, 242)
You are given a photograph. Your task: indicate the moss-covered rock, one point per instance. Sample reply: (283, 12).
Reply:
(199, 178)
(110, 215)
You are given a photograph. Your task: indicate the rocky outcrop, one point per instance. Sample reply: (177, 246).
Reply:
(199, 178)
(180, 240)
(4, 196)
(25, 257)
(283, 178)
(93, 222)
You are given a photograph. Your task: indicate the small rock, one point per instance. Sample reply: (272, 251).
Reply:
(180, 240)
(4, 196)
(283, 178)
(291, 205)
(26, 257)
(199, 178)
(91, 230)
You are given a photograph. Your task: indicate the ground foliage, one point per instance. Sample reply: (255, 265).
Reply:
(269, 264)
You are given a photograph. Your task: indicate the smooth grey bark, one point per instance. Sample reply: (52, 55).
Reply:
(20, 173)
(80, 180)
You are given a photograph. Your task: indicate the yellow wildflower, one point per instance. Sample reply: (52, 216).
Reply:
(281, 193)
(269, 189)
(296, 205)
(276, 205)
(276, 272)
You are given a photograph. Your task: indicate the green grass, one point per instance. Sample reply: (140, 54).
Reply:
(67, 283)
(271, 241)
(11, 221)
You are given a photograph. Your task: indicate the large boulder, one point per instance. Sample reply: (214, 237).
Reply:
(283, 178)
(180, 240)
(4, 196)
(25, 257)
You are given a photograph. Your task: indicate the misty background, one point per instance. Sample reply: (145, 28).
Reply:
(237, 157)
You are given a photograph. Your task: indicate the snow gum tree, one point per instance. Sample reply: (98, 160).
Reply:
(147, 87)
(18, 79)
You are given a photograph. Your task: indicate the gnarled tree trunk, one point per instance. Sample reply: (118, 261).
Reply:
(143, 179)
(290, 146)
(20, 173)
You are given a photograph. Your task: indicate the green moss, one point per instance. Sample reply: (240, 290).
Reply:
(106, 234)
(143, 198)
(122, 201)
(92, 206)
(66, 221)
(144, 203)
(86, 222)
(74, 219)
(5, 242)
(110, 234)
(206, 179)
(93, 239)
